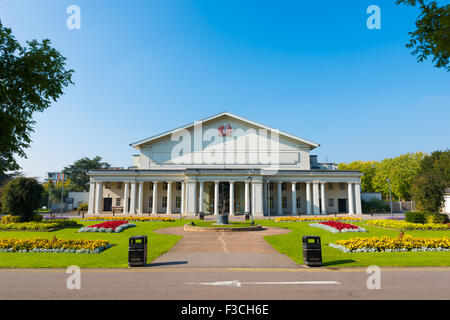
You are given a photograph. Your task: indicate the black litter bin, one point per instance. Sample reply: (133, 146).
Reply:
(201, 216)
(247, 216)
(137, 251)
(312, 251)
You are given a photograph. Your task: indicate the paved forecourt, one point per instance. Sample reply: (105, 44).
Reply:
(223, 249)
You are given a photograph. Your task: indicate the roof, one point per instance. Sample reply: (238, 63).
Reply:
(222, 114)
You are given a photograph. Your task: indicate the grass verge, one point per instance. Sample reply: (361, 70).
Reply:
(290, 244)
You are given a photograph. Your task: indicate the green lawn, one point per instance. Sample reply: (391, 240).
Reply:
(291, 245)
(114, 257)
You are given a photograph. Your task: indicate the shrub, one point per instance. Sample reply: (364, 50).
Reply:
(436, 218)
(83, 207)
(415, 217)
(21, 196)
(10, 219)
(38, 217)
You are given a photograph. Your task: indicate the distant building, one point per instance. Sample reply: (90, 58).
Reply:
(55, 177)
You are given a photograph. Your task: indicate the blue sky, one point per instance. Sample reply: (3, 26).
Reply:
(309, 68)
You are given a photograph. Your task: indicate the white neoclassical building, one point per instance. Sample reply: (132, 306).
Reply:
(225, 164)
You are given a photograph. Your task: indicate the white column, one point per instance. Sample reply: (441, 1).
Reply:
(191, 197)
(280, 207)
(125, 198)
(98, 197)
(200, 198)
(322, 195)
(257, 198)
(308, 198)
(140, 198)
(155, 197)
(216, 198)
(247, 197)
(316, 207)
(183, 191)
(91, 203)
(294, 198)
(351, 207)
(133, 198)
(265, 187)
(231, 198)
(169, 197)
(358, 198)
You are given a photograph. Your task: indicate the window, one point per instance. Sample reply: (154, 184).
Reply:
(178, 186)
(299, 202)
(271, 186)
(150, 202)
(330, 186)
(119, 185)
(151, 185)
(164, 185)
(297, 186)
(342, 186)
(284, 186)
(164, 202)
(118, 202)
(271, 202)
(108, 185)
(178, 202)
(284, 202)
(331, 203)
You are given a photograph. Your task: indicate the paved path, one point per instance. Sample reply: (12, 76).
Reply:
(223, 249)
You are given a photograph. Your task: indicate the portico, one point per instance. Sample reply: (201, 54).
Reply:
(229, 176)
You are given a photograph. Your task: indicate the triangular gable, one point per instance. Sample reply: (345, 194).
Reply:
(310, 144)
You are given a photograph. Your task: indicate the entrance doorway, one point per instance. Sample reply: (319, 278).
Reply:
(107, 204)
(342, 205)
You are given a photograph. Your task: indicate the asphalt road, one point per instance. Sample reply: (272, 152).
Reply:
(226, 283)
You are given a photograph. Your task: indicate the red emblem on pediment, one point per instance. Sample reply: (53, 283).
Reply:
(225, 130)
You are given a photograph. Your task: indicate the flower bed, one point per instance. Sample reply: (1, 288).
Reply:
(318, 218)
(336, 226)
(403, 225)
(386, 244)
(136, 219)
(53, 245)
(37, 226)
(109, 226)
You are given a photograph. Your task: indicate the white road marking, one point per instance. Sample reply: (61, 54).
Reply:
(237, 283)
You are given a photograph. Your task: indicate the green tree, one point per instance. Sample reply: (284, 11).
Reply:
(52, 191)
(78, 171)
(367, 168)
(432, 36)
(401, 171)
(31, 77)
(21, 196)
(431, 181)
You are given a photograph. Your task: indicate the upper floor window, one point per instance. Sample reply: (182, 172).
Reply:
(284, 186)
(178, 185)
(299, 202)
(330, 186)
(342, 186)
(165, 185)
(119, 185)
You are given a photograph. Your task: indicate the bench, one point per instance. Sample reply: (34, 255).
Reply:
(117, 209)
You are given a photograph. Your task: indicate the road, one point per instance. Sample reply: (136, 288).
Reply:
(226, 283)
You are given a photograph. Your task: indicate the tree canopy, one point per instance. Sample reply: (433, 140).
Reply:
(400, 170)
(432, 36)
(21, 197)
(31, 77)
(78, 171)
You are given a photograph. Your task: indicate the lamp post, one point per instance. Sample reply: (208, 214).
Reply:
(390, 196)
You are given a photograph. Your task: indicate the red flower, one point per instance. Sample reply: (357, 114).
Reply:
(339, 225)
(109, 224)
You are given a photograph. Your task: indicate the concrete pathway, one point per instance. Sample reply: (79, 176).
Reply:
(223, 249)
